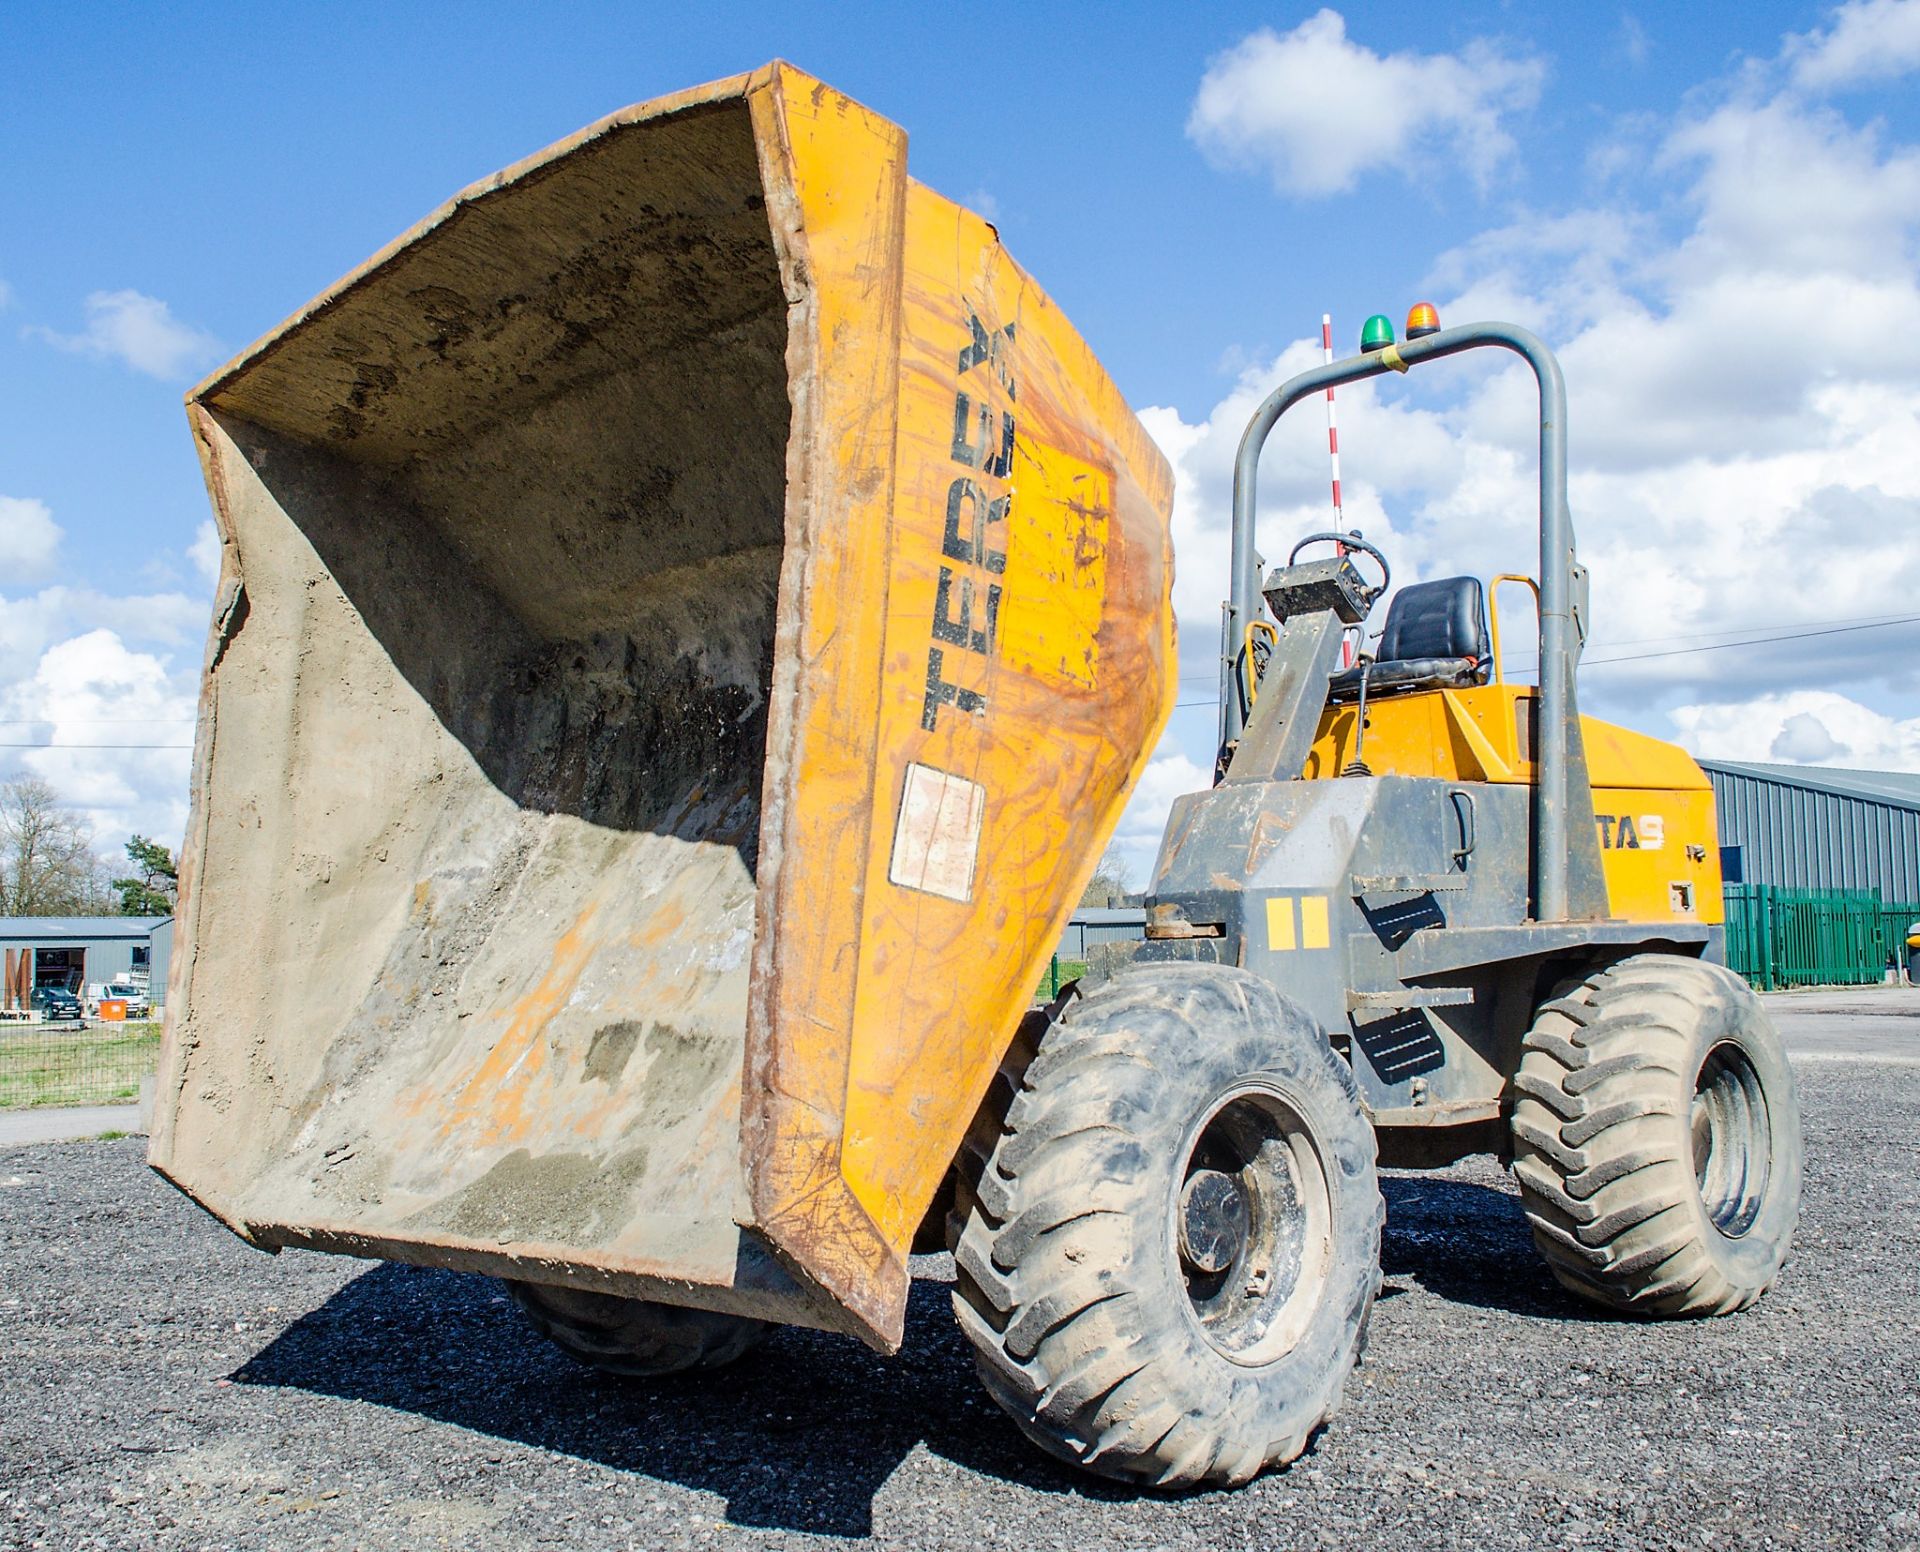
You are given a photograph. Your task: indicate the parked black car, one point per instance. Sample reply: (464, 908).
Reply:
(54, 1003)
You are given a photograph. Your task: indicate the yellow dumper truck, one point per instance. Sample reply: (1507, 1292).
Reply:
(691, 613)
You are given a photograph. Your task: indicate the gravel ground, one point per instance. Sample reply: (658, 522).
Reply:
(163, 1386)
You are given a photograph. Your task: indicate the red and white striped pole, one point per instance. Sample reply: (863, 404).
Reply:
(1333, 425)
(1333, 456)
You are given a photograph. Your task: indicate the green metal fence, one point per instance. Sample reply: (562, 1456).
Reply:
(1894, 922)
(1778, 938)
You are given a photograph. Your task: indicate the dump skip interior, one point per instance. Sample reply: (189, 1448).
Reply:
(491, 718)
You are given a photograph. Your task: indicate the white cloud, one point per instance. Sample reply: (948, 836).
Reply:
(1741, 440)
(90, 691)
(1805, 740)
(1136, 841)
(1735, 417)
(204, 552)
(140, 331)
(1786, 189)
(81, 668)
(29, 625)
(1801, 727)
(1317, 110)
(1868, 41)
(1413, 455)
(29, 539)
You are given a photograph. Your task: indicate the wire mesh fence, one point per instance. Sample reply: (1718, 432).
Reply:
(67, 1064)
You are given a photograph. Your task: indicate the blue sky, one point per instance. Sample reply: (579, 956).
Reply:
(1655, 188)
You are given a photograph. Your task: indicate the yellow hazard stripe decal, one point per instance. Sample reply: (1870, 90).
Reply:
(1313, 921)
(1280, 923)
(1311, 928)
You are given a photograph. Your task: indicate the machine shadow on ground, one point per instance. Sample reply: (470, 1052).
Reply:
(802, 1433)
(1469, 1243)
(797, 1436)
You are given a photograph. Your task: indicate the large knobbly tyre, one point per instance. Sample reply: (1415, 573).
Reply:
(975, 1154)
(1657, 1139)
(1166, 1266)
(635, 1336)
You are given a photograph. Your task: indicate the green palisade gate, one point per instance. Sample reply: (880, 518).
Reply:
(1814, 937)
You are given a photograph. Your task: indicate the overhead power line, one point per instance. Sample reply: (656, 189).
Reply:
(1754, 641)
(1717, 646)
(96, 721)
(1735, 630)
(1851, 621)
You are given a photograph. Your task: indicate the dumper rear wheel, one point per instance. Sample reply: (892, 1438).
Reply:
(1657, 1139)
(1166, 1265)
(635, 1336)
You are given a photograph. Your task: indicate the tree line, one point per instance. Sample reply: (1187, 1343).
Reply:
(48, 865)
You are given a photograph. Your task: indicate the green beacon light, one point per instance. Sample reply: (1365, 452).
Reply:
(1376, 333)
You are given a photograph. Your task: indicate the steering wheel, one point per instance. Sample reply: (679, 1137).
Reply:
(1352, 541)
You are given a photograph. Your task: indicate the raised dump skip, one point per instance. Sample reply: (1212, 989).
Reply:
(692, 611)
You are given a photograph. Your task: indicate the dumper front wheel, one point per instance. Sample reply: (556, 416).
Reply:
(1657, 1139)
(1165, 1266)
(635, 1336)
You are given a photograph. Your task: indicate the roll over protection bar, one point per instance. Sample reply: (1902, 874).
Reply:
(1560, 781)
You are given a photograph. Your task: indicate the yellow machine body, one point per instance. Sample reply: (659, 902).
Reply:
(692, 612)
(1653, 806)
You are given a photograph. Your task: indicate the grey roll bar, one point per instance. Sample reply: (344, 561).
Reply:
(1556, 756)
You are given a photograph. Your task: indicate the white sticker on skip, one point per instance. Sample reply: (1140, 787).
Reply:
(937, 838)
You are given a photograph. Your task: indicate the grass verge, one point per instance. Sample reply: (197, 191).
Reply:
(1058, 974)
(102, 1064)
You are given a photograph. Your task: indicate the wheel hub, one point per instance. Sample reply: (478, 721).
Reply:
(1731, 1146)
(1252, 1220)
(1213, 1221)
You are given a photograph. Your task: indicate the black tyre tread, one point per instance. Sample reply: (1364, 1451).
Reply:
(1605, 1176)
(1079, 1359)
(635, 1336)
(983, 1133)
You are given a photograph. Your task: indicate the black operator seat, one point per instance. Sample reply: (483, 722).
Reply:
(1436, 637)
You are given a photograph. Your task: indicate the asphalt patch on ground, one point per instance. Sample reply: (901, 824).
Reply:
(163, 1386)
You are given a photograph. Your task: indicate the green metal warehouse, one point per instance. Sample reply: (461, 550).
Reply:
(1822, 870)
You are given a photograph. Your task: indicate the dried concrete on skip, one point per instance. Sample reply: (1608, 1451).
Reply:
(163, 1386)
